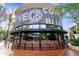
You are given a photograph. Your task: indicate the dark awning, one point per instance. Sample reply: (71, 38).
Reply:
(38, 30)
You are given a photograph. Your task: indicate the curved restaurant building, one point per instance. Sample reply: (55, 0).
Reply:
(37, 27)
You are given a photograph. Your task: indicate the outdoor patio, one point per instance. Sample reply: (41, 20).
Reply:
(5, 51)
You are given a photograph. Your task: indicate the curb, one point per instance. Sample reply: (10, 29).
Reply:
(73, 47)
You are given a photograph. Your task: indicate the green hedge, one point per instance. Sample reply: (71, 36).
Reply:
(0, 38)
(74, 42)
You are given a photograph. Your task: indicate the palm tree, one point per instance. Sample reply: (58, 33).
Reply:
(11, 21)
(3, 17)
(6, 16)
(73, 10)
(3, 14)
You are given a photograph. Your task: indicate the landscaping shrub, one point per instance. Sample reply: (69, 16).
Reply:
(74, 42)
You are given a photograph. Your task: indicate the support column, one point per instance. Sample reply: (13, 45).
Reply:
(19, 41)
(58, 40)
(40, 42)
(63, 44)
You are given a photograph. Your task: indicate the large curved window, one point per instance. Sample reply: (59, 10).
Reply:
(37, 26)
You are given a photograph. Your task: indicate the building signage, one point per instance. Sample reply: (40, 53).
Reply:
(37, 15)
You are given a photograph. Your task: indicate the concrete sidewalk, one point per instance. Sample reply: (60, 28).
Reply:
(4, 50)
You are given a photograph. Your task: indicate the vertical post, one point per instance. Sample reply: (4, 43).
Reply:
(20, 40)
(39, 42)
(63, 45)
(58, 40)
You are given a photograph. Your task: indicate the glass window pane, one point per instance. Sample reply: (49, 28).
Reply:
(43, 26)
(24, 27)
(30, 26)
(35, 26)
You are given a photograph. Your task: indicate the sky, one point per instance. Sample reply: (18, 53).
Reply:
(66, 22)
(10, 6)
